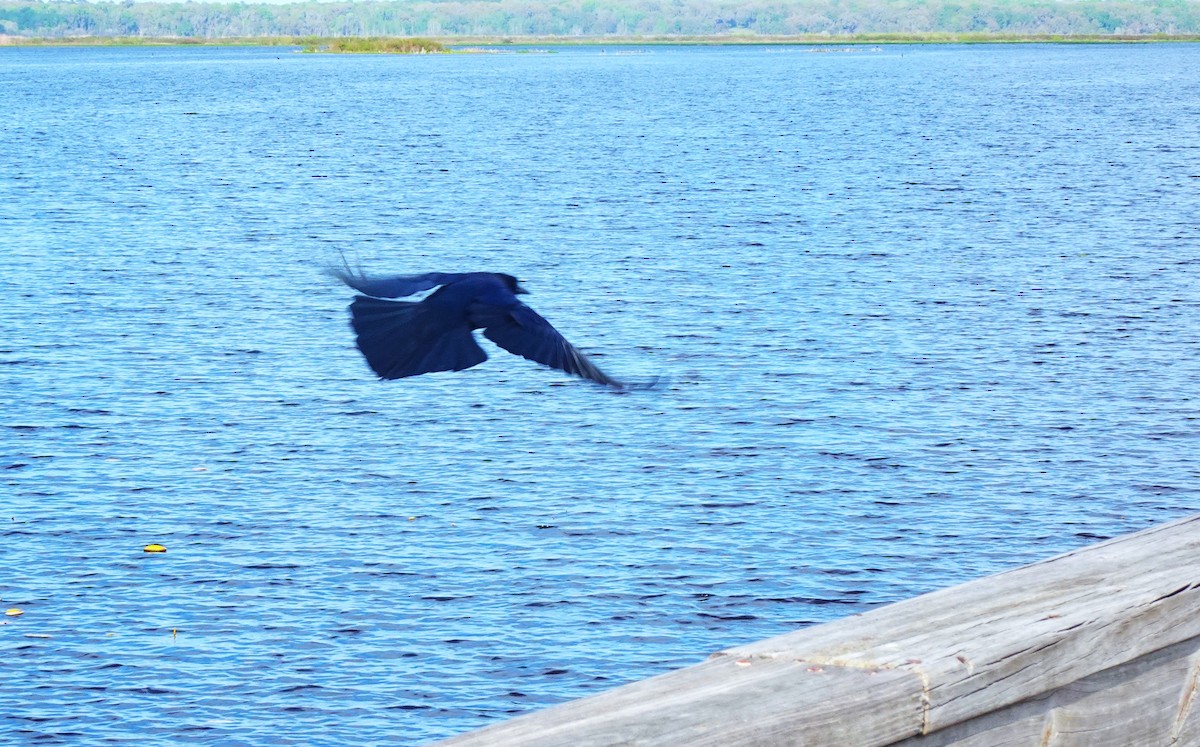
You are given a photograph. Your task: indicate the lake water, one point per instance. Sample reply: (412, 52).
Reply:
(927, 313)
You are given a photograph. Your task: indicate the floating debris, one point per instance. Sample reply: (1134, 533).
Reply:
(154, 547)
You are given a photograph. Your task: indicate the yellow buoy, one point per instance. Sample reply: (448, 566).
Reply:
(14, 612)
(154, 547)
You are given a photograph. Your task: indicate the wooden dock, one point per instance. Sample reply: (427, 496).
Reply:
(1099, 647)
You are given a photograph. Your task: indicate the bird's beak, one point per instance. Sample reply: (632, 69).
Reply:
(521, 290)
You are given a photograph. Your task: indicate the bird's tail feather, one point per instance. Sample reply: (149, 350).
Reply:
(399, 339)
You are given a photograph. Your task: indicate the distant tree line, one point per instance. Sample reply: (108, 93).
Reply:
(450, 18)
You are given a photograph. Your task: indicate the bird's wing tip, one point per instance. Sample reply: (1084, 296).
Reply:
(640, 385)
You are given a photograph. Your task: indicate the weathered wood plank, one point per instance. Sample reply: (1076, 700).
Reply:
(1097, 647)
(1138, 704)
(993, 642)
(726, 701)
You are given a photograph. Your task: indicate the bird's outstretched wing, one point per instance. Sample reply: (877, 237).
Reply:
(522, 331)
(401, 338)
(396, 286)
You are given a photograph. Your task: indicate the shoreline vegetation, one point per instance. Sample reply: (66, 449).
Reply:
(607, 22)
(458, 22)
(443, 45)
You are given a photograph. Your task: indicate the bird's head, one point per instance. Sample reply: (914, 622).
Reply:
(513, 284)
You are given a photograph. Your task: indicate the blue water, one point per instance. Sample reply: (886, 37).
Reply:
(927, 313)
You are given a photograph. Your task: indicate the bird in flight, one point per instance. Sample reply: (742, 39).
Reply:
(409, 338)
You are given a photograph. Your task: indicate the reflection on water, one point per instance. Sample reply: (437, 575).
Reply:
(927, 313)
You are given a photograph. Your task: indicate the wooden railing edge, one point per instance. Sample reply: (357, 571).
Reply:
(910, 668)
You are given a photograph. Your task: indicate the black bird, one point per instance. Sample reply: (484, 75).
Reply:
(407, 338)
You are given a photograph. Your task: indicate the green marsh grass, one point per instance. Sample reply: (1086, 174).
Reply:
(372, 45)
(335, 44)
(413, 45)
